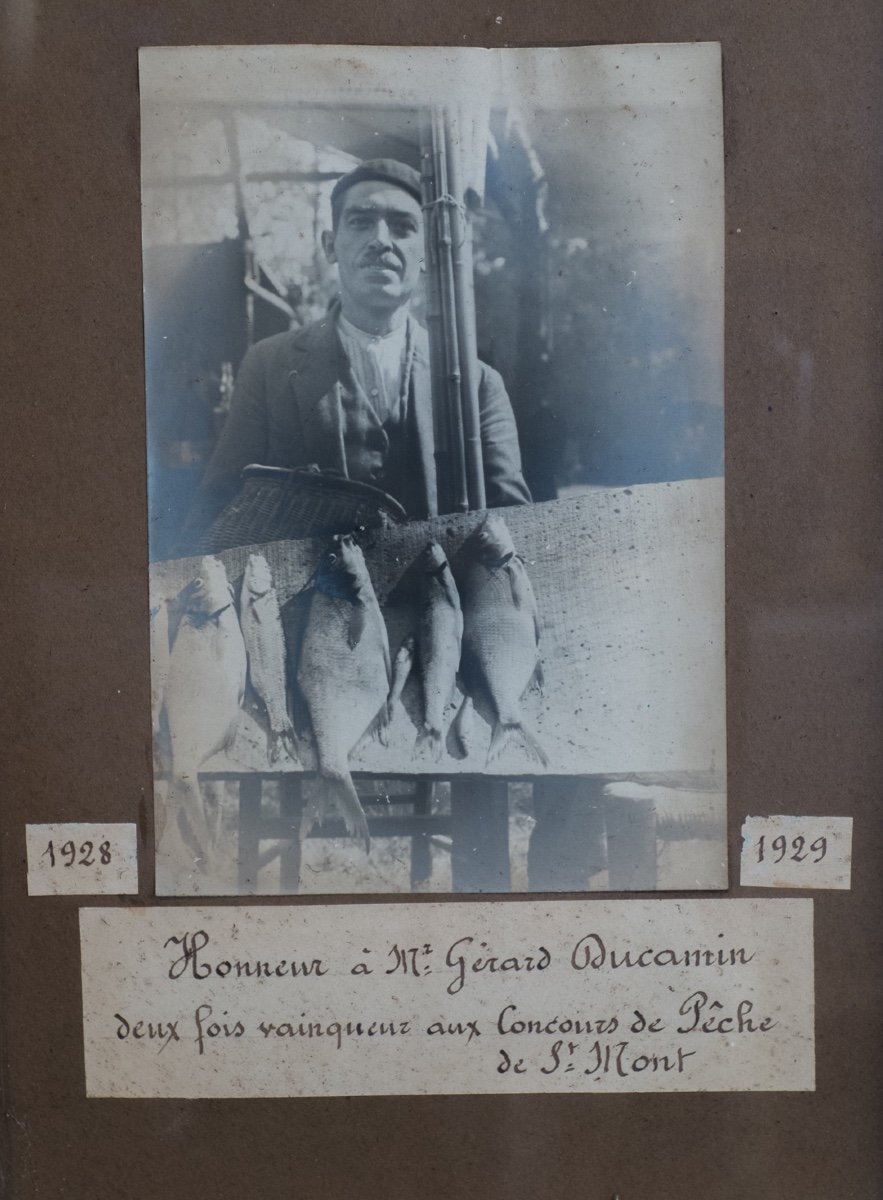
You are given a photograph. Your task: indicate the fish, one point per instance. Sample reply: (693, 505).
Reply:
(203, 696)
(440, 634)
(501, 633)
(401, 670)
(461, 728)
(261, 624)
(343, 674)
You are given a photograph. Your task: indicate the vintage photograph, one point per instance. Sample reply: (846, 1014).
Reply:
(434, 355)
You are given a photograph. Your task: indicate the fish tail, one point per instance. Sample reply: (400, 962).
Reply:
(342, 794)
(534, 747)
(462, 727)
(429, 739)
(503, 735)
(538, 679)
(313, 813)
(281, 742)
(186, 820)
(379, 727)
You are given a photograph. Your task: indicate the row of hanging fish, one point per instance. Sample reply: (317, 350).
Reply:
(481, 631)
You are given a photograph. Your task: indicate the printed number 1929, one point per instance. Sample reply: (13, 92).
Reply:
(68, 851)
(777, 847)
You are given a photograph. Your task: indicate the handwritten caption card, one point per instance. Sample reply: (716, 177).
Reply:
(797, 852)
(419, 999)
(82, 858)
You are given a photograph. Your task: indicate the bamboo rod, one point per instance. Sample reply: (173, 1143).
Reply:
(441, 435)
(464, 290)
(450, 344)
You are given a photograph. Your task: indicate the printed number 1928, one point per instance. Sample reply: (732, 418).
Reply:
(68, 851)
(778, 847)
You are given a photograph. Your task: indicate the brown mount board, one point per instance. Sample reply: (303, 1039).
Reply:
(803, 310)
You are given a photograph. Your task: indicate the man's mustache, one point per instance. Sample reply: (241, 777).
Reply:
(387, 260)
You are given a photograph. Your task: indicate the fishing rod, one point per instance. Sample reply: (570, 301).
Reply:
(464, 290)
(444, 203)
(441, 438)
(449, 267)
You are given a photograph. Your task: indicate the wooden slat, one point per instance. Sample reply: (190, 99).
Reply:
(480, 835)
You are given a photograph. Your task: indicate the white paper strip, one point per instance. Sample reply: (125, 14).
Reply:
(797, 852)
(623, 996)
(82, 858)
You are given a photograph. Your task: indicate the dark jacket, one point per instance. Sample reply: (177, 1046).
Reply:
(286, 413)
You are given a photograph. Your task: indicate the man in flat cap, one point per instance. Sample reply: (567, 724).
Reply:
(351, 392)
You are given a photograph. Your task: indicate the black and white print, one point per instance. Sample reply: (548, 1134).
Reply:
(434, 345)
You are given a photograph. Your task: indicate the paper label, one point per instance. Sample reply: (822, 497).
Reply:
(568, 996)
(797, 852)
(82, 859)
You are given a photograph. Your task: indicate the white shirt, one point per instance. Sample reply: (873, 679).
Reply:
(378, 363)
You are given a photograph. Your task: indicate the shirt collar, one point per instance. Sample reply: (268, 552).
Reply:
(396, 337)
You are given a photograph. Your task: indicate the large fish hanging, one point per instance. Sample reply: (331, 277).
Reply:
(501, 634)
(343, 674)
(203, 696)
(261, 625)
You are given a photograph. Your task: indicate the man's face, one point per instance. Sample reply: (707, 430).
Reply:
(378, 245)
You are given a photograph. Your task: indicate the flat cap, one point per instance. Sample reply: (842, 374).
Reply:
(387, 170)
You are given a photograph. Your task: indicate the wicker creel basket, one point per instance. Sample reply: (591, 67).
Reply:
(275, 504)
